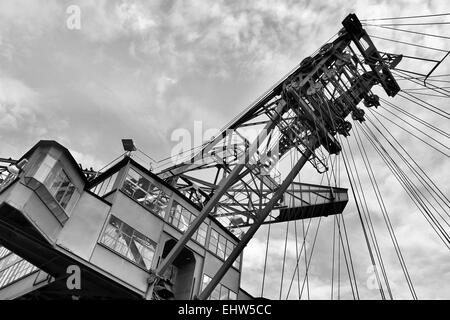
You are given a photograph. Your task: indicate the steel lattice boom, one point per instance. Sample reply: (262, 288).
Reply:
(313, 101)
(305, 112)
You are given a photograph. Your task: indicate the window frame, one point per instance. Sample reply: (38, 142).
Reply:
(15, 269)
(135, 237)
(50, 180)
(218, 289)
(135, 186)
(228, 246)
(177, 215)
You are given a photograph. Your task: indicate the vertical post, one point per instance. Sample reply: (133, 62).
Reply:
(260, 219)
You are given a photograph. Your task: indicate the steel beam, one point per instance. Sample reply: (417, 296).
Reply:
(262, 215)
(221, 190)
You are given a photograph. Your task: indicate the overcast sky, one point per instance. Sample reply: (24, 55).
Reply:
(141, 69)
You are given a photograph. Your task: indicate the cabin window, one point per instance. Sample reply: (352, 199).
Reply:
(215, 294)
(213, 240)
(222, 247)
(224, 293)
(146, 193)
(60, 187)
(181, 218)
(13, 267)
(129, 243)
(220, 292)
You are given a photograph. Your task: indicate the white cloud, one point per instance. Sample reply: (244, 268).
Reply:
(140, 69)
(18, 103)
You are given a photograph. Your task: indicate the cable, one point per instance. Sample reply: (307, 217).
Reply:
(407, 185)
(311, 255)
(284, 258)
(401, 127)
(438, 111)
(333, 250)
(430, 95)
(363, 227)
(410, 115)
(423, 84)
(347, 263)
(443, 114)
(265, 260)
(422, 180)
(366, 214)
(383, 210)
(349, 254)
(411, 24)
(409, 43)
(410, 17)
(303, 246)
(409, 31)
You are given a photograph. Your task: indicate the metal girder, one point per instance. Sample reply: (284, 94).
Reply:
(303, 201)
(302, 114)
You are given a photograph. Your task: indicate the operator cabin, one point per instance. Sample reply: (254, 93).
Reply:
(116, 227)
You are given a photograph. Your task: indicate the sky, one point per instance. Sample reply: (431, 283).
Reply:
(143, 69)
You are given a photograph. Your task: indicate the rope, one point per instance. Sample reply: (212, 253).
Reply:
(409, 17)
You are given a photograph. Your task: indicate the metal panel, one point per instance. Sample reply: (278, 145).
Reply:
(120, 268)
(212, 265)
(82, 230)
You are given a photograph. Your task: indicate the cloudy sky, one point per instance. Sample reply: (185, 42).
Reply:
(142, 69)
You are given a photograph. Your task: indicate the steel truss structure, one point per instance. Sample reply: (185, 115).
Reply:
(235, 179)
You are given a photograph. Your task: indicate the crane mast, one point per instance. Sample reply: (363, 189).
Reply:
(305, 112)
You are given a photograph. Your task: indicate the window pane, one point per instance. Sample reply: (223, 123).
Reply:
(153, 192)
(133, 176)
(229, 249)
(221, 247)
(224, 291)
(46, 171)
(215, 295)
(175, 215)
(163, 201)
(184, 220)
(111, 233)
(64, 186)
(15, 271)
(129, 243)
(237, 262)
(128, 187)
(61, 188)
(232, 296)
(147, 254)
(144, 192)
(143, 183)
(67, 196)
(201, 233)
(205, 281)
(213, 240)
(122, 245)
(55, 183)
(139, 195)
